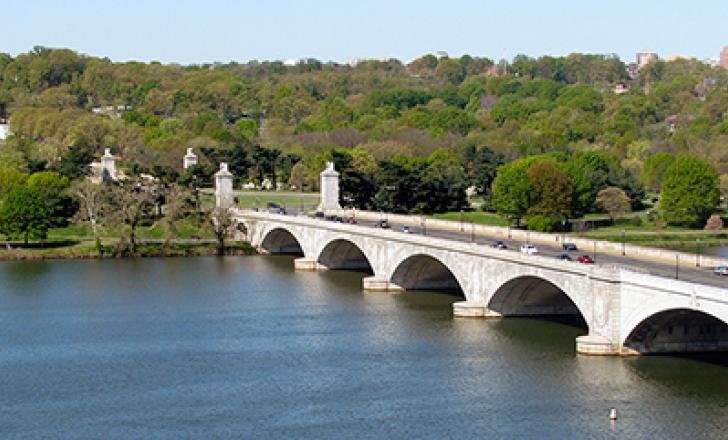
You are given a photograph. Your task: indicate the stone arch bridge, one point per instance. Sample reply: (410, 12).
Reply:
(625, 312)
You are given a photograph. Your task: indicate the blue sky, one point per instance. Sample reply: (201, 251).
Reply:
(215, 30)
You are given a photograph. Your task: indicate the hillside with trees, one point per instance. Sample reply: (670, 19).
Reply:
(534, 137)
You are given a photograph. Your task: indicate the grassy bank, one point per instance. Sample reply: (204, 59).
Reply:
(77, 242)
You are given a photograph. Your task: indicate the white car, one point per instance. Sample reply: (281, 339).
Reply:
(529, 249)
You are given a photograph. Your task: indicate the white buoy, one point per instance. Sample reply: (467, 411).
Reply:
(613, 414)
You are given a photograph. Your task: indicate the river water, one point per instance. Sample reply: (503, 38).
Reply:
(244, 347)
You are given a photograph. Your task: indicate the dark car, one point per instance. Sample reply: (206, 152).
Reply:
(498, 244)
(282, 211)
(585, 259)
(569, 247)
(318, 214)
(565, 257)
(383, 224)
(338, 219)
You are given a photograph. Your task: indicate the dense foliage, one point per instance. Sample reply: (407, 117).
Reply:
(405, 137)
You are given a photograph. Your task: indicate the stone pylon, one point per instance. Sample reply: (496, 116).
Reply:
(223, 187)
(329, 189)
(190, 159)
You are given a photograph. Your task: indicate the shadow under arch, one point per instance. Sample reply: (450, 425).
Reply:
(679, 331)
(425, 272)
(281, 241)
(342, 254)
(531, 296)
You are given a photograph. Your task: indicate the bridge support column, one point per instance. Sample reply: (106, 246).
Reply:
(307, 265)
(471, 309)
(376, 284)
(594, 345)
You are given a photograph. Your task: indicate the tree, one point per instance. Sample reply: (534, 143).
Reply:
(52, 188)
(481, 165)
(512, 189)
(220, 220)
(653, 171)
(714, 223)
(74, 163)
(24, 215)
(93, 206)
(133, 202)
(551, 190)
(690, 191)
(10, 179)
(177, 205)
(614, 201)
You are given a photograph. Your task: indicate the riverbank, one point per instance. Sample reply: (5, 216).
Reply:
(66, 251)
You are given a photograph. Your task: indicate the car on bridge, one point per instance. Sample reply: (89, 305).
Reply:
(721, 270)
(384, 224)
(406, 230)
(498, 244)
(350, 221)
(564, 257)
(569, 247)
(529, 249)
(585, 259)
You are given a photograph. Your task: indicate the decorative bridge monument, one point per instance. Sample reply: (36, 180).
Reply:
(626, 312)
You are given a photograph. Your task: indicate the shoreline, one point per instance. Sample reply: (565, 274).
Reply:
(156, 250)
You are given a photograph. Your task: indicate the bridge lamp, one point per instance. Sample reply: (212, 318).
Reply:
(623, 239)
(697, 252)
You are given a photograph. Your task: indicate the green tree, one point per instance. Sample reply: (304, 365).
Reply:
(653, 171)
(52, 187)
(512, 189)
(551, 190)
(690, 192)
(24, 215)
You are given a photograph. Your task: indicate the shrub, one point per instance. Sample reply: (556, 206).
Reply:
(635, 221)
(714, 223)
(540, 223)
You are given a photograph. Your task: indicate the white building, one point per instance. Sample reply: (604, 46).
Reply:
(190, 159)
(646, 57)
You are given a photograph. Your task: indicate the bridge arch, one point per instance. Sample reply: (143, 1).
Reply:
(342, 253)
(281, 241)
(426, 272)
(530, 295)
(679, 329)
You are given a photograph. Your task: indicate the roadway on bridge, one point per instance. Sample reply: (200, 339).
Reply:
(702, 275)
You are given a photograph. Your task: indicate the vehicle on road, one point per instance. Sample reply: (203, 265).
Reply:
(383, 224)
(406, 230)
(569, 247)
(338, 219)
(498, 244)
(721, 270)
(318, 214)
(585, 259)
(529, 249)
(350, 221)
(282, 211)
(272, 205)
(565, 257)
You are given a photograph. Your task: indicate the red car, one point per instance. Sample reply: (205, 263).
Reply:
(586, 259)
(350, 221)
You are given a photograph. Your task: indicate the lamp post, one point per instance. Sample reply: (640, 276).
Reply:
(424, 226)
(595, 251)
(472, 232)
(462, 226)
(697, 253)
(623, 238)
(677, 265)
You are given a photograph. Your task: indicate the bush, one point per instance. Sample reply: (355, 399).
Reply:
(635, 221)
(540, 223)
(714, 223)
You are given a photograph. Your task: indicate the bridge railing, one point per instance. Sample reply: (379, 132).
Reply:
(601, 246)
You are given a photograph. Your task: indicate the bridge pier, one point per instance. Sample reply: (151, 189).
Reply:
(594, 345)
(377, 284)
(472, 309)
(308, 265)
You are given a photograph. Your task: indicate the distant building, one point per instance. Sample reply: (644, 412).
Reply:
(621, 88)
(441, 54)
(644, 58)
(712, 62)
(104, 170)
(724, 58)
(111, 110)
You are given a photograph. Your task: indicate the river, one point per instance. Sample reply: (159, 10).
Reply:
(244, 347)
